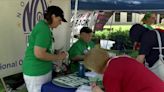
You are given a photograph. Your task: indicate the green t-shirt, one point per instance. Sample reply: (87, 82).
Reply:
(40, 36)
(79, 48)
(148, 26)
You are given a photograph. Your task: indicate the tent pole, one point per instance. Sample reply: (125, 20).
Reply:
(3, 84)
(74, 20)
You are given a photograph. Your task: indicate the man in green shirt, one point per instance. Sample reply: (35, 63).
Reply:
(37, 65)
(80, 48)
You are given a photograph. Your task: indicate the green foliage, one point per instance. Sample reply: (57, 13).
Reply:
(2, 89)
(102, 34)
(132, 53)
(119, 36)
(118, 27)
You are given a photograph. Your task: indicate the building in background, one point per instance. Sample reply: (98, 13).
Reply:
(128, 18)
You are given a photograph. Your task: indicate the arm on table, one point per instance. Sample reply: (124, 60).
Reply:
(96, 88)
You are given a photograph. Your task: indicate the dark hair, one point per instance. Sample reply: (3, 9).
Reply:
(85, 30)
(57, 11)
(47, 16)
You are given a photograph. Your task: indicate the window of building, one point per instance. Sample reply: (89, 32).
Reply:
(117, 17)
(129, 17)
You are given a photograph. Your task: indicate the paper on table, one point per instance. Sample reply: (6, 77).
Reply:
(106, 44)
(94, 77)
(91, 74)
(84, 88)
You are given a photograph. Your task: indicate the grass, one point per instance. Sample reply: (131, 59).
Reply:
(159, 26)
(131, 53)
(103, 34)
(118, 27)
(2, 89)
(127, 27)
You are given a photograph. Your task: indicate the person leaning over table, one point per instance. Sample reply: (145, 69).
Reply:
(37, 65)
(121, 73)
(80, 48)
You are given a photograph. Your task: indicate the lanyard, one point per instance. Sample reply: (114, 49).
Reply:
(52, 49)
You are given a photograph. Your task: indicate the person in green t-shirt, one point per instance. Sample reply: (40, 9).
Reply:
(37, 65)
(80, 48)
